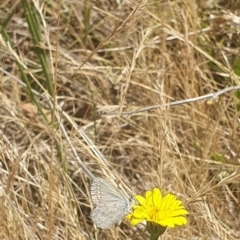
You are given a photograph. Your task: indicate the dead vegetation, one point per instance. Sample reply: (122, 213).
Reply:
(118, 56)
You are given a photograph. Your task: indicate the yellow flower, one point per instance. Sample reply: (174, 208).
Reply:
(166, 210)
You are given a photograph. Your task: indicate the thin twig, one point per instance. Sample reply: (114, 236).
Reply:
(211, 96)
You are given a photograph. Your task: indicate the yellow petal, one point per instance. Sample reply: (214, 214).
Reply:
(136, 221)
(140, 199)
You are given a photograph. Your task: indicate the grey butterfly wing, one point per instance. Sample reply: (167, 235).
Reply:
(103, 191)
(105, 215)
(111, 203)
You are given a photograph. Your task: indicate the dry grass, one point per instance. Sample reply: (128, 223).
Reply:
(104, 55)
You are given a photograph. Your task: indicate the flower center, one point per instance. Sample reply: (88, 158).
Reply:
(155, 213)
